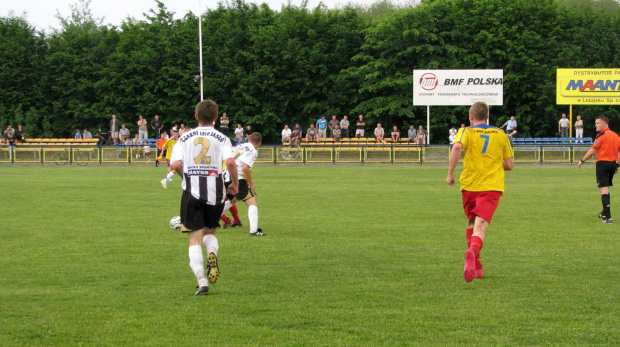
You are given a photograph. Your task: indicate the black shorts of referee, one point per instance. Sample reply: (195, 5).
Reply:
(605, 171)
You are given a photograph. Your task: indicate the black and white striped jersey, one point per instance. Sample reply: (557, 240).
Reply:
(202, 151)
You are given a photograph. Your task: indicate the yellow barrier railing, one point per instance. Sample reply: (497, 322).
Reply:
(355, 154)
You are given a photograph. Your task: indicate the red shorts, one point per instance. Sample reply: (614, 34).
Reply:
(481, 204)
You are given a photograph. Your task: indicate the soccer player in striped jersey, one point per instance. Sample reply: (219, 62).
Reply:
(168, 146)
(487, 155)
(198, 157)
(245, 156)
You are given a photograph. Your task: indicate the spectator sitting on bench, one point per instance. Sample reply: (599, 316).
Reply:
(511, 126)
(123, 134)
(336, 132)
(379, 133)
(395, 134)
(312, 134)
(286, 134)
(411, 134)
(296, 135)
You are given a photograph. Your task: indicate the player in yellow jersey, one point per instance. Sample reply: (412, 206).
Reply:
(487, 155)
(168, 147)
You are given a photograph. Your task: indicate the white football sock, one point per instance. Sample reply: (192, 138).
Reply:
(197, 263)
(211, 243)
(253, 217)
(169, 175)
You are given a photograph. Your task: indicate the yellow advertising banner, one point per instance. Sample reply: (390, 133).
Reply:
(588, 87)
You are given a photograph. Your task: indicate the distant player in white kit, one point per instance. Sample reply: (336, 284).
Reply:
(197, 157)
(245, 156)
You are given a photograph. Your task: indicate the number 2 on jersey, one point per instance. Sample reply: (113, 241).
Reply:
(202, 157)
(486, 143)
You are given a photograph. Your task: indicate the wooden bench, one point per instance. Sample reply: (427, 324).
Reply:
(60, 142)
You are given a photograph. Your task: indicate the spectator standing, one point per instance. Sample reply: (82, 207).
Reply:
(142, 128)
(239, 134)
(157, 125)
(224, 121)
(78, 135)
(579, 129)
(395, 134)
(344, 127)
(182, 129)
(411, 134)
(20, 134)
(286, 134)
(312, 134)
(421, 136)
(606, 147)
(321, 125)
(451, 135)
(563, 126)
(332, 125)
(359, 126)
(296, 135)
(86, 134)
(248, 132)
(488, 155)
(9, 130)
(115, 126)
(379, 133)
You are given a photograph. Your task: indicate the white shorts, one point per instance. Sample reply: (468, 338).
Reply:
(359, 132)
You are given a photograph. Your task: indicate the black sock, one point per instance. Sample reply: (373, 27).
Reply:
(606, 205)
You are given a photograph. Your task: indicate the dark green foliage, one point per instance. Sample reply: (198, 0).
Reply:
(268, 68)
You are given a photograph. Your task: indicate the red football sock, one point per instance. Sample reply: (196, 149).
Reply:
(476, 245)
(468, 234)
(224, 219)
(235, 213)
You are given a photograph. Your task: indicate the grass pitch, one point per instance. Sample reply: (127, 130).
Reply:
(355, 255)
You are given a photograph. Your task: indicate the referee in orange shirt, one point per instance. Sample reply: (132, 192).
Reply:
(606, 147)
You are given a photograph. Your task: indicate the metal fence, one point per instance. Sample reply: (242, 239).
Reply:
(281, 155)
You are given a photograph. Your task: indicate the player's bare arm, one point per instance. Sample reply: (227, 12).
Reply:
(455, 154)
(509, 164)
(231, 166)
(177, 166)
(588, 155)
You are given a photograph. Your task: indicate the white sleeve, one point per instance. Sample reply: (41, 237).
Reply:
(177, 152)
(226, 150)
(248, 157)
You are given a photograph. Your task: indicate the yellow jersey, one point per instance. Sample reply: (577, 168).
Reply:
(168, 145)
(485, 148)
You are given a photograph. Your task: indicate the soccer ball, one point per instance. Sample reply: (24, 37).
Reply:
(175, 223)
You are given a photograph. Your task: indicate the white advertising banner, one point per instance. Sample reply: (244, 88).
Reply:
(457, 87)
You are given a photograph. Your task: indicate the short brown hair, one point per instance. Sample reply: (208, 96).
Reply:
(479, 110)
(206, 110)
(255, 138)
(603, 118)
